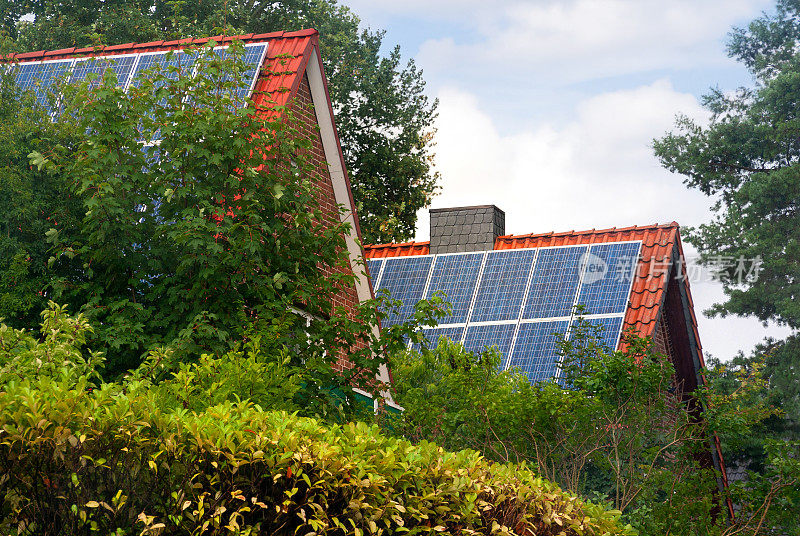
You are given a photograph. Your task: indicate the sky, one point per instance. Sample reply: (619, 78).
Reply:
(548, 109)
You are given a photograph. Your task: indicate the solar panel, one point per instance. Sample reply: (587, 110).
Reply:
(432, 335)
(535, 351)
(456, 276)
(609, 330)
(121, 65)
(41, 77)
(130, 69)
(404, 278)
(497, 309)
(554, 283)
(502, 286)
(171, 65)
(252, 58)
(483, 336)
(607, 277)
(374, 270)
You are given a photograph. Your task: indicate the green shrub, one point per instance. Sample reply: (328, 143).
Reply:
(75, 461)
(79, 456)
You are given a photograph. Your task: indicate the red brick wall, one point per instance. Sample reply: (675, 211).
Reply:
(661, 339)
(302, 108)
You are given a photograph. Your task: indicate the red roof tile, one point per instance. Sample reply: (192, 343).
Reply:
(403, 249)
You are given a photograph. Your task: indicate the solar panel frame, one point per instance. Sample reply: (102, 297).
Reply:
(390, 268)
(454, 333)
(459, 290)
(488, 298)
(148, 60)
(479, 336)
(377, 271)
(536, 339)
(611, 328)
(126, 63)
(258, 56)
(549, 296)
(42, 88)
(610, 293)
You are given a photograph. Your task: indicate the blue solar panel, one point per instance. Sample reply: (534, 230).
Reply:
(607, 277)
(252, 60)
(606, 330)
(374, 269)
(404, 278)
(121, 65)
(478, 338)
(502, 287)
(434, 334)
(535, 352)
(554, 282)
(456, 276)
(172, 65)
(41, 77)
(609, 331)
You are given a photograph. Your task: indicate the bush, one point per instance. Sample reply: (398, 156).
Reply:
(79, 456)
(102, 461)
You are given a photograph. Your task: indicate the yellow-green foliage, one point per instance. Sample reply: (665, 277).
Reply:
(76, 461)
(78, 456)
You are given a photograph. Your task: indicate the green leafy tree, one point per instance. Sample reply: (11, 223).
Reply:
(194, 237)
(31, 203)
(383, 115)
(189, 456)
(619, 433)
(748, 160)
(201, 230)
(762, 460)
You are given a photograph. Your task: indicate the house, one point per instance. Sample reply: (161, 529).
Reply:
(285, 70)
(519, 292)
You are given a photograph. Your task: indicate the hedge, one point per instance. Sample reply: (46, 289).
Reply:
(80, 461)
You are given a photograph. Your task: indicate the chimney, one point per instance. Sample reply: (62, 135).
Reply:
(456, 230)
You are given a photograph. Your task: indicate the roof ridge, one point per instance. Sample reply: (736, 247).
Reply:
(119, 47)
(397, 244)
(670, 225)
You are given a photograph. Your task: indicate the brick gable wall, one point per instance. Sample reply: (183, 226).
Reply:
(302, 107)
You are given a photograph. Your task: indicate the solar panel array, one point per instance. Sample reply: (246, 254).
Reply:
(520, 301)
(43, 77)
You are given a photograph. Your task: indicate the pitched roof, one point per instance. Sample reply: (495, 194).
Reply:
(288, 54)
(650, 281)
(661, 271)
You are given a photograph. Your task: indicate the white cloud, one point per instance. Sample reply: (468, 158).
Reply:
(596, 171)
(575, 40)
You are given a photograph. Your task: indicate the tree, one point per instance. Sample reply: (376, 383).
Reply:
(31, 203)
(618, 434)
(383, 115)
(207, 239)
(748, 160)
